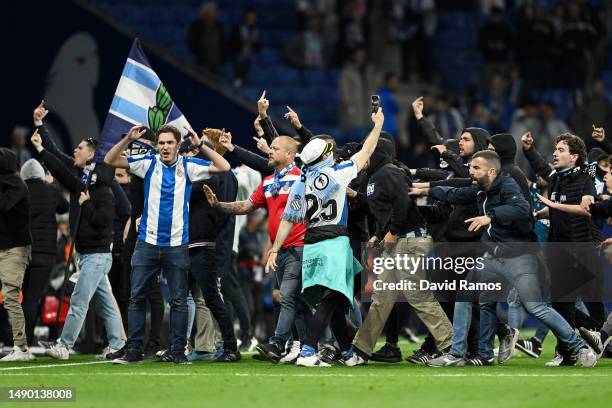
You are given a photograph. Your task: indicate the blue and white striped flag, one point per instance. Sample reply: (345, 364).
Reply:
(140, 98)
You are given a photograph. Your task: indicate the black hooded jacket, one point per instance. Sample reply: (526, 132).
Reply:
(455, 162)
(95, 233)
(14, 204)
(456, 228)
(387, 190)
(505, 147)
(46, 201)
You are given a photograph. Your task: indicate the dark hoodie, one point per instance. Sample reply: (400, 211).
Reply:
(387, 189)
(459, 165)
(456, 228)
(14, 204)
(505, 147)
(443, 172)
(95, 233)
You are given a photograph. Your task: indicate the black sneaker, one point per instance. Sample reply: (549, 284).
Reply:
(330, 355)
(532, 347)
(387, 354)
(116, 354)
(420, 357)
(479, 361)
(180, 358)
(129, 357)
(270, 351)
(593, 338)
(152, 349)
(569, 359)
(259, 357)
(164, 356)
(229, 356)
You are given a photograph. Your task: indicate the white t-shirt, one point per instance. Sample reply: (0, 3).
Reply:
(248, 180)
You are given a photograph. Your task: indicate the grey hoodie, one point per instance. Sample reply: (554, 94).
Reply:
(32, 169)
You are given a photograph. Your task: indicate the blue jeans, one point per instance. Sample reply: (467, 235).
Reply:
(93, 285)
(289, 278)
(520, 272)
(147, 262)
(516, 315)
(462, 318)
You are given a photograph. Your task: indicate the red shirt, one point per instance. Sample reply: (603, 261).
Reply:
(262, 197)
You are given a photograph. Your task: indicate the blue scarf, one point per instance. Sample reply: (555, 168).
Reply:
(324, 188)
(278, 176)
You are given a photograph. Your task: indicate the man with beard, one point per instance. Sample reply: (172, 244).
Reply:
(272, 193)
(401, 228)
(472, 140)
(328, 269)
(505, 218)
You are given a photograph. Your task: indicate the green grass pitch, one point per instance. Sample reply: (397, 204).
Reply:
(521, 382)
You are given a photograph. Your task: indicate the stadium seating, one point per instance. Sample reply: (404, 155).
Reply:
(167, 24)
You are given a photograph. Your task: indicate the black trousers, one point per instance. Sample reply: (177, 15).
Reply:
(234, 295)
(35, 281)
(331, 311)
(203, 269)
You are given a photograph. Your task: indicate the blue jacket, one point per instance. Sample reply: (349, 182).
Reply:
(391, 109)
(503, 202)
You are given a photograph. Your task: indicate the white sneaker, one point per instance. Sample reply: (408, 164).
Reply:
(58, 351)
(292, 355)
(354, 360)
(253, 344)
(104, 355)
(587, 357)
(18, 355)
(311, 361)
(556, 361)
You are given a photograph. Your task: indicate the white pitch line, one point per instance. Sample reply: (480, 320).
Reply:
(301, 375)
(30, 367)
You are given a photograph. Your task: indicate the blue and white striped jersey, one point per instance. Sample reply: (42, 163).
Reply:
(167, 189)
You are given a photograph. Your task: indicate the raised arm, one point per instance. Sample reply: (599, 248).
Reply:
(253, 160)
(219, 164)
(304, 133)
(599, 135)
(536, 161)
(47, 141)
(362, 156)
(269, 130)
(57, 168)
(113, 156)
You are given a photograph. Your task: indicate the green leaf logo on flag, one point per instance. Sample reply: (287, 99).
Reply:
(158, 115)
